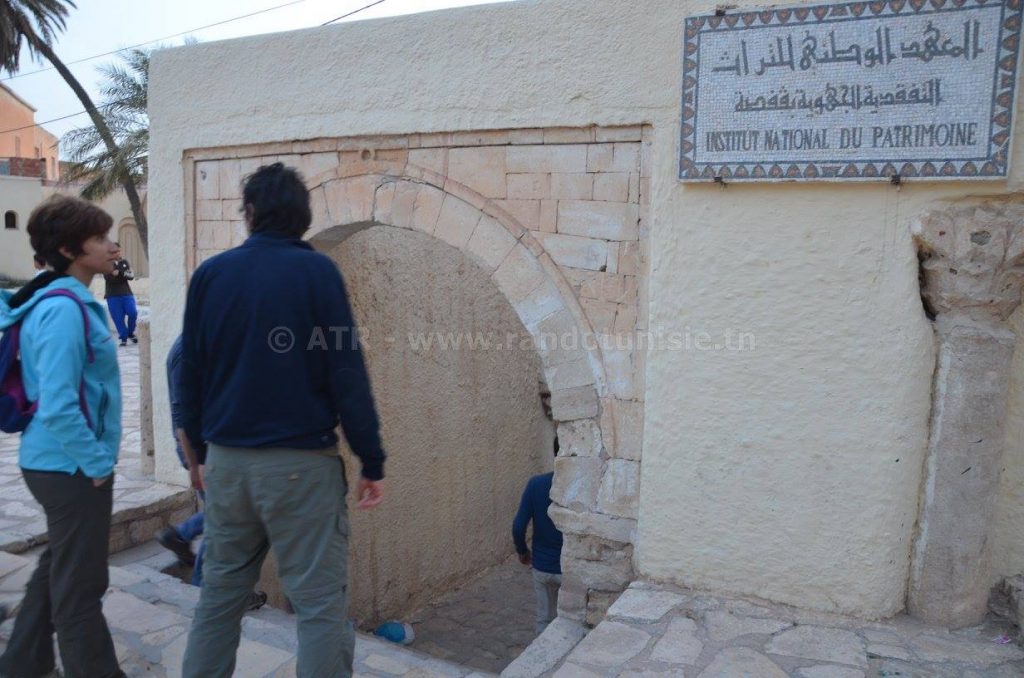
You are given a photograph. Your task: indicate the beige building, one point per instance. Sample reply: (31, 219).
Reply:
(749, 393)
(21, 137)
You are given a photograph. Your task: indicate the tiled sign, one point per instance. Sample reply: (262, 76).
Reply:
(851, 91)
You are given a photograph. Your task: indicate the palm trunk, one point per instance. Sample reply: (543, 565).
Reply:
(102, 129)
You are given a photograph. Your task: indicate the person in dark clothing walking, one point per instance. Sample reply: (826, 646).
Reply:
(178, 538)
(120, 300)
(547, 545)
(265, 395)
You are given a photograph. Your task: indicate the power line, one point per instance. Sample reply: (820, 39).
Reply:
(166, 37)
(344, 16)
(82, 112)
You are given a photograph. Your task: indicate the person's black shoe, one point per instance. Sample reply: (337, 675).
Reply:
(257, 599)
(124, 342)
(134, 339)
(172, 541)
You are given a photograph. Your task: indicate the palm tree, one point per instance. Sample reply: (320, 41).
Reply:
(34, 23)
(124, 110)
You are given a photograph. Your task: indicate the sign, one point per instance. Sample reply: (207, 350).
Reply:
(851, 91)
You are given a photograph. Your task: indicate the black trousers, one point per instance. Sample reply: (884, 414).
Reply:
(65, 592)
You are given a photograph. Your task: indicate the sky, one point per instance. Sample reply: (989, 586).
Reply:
(99, 26)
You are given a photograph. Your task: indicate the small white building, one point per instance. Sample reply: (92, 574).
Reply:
(784, 427)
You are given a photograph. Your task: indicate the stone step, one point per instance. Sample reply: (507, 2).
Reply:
(149, 613)
(141, 507)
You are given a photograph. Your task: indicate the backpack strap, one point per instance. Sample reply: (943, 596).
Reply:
(90, 356)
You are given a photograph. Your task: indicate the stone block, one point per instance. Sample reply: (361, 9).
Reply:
(575, 251)
(318, 206)
(574, 186)
(433, 159)
(598, 603)
(644, 605)
(628, 420)
(623, 372)
(554, 158)
(633, 192)
(579, 438)
(313, 165)
(490, 137)
(605, 286)
(570, 670)
(601, 314)
(206, 234)
(557, 338)
(629, 258)
(426, 209)
(623, 133)
(679, 644)
(222, 235)
(568, 135)
(402, 204)
(723, 626)
(548, 218)
(576, 482)
(570, 374)
(529, 186)
(142, 531)
(620, 488)
(646, 158)
(574, 403)
(519, 275)
(525, 212)
(490, 243)
(481, 169)
(613, 257)
(315, 146)
(626, 323)
(820, 644)
(611, 187)
(572, 598)
(126, 612)
(350, 200)
(544, 653)
(526, 136)
(742, 661)
(540, 304)
(207, 180)
(593, 524)
(592, 219)
(610, 644)
(230, 178)
(208, 210)
(600, 157)
(456, 221)
(625, 158)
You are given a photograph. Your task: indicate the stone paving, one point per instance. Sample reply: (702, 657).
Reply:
(149, 614)
(484, 624)
(141, 505)
(653, 631)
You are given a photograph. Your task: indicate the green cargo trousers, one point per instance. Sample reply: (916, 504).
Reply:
(294, 502)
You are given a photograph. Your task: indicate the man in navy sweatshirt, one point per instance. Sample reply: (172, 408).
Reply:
(547, 545)
(270, 366)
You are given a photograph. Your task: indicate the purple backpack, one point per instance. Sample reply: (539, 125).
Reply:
(15, 409)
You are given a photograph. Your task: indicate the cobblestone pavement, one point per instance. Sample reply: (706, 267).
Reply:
(141, 505)
(659, 631)
(484, 624)
(149, 614)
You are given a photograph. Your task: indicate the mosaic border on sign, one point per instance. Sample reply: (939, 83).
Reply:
(995, 166)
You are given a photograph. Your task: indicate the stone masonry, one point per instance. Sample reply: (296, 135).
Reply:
(558, 218)
(972, 279)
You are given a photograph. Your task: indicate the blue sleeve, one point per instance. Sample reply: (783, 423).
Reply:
(59, 356)
(190, 381)
(522, 519)
(349, 381)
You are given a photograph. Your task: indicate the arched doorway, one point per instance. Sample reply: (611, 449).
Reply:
(132, 249)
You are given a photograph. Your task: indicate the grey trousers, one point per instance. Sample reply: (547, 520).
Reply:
(294, 502)
(545, 587)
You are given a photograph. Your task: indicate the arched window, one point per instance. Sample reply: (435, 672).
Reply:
(10, 220)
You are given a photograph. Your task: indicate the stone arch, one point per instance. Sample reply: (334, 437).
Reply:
(348, 200)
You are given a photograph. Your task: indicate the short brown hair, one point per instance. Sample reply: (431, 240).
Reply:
(64, 221)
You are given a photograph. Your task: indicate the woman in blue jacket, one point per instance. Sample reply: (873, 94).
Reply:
(69, 448)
